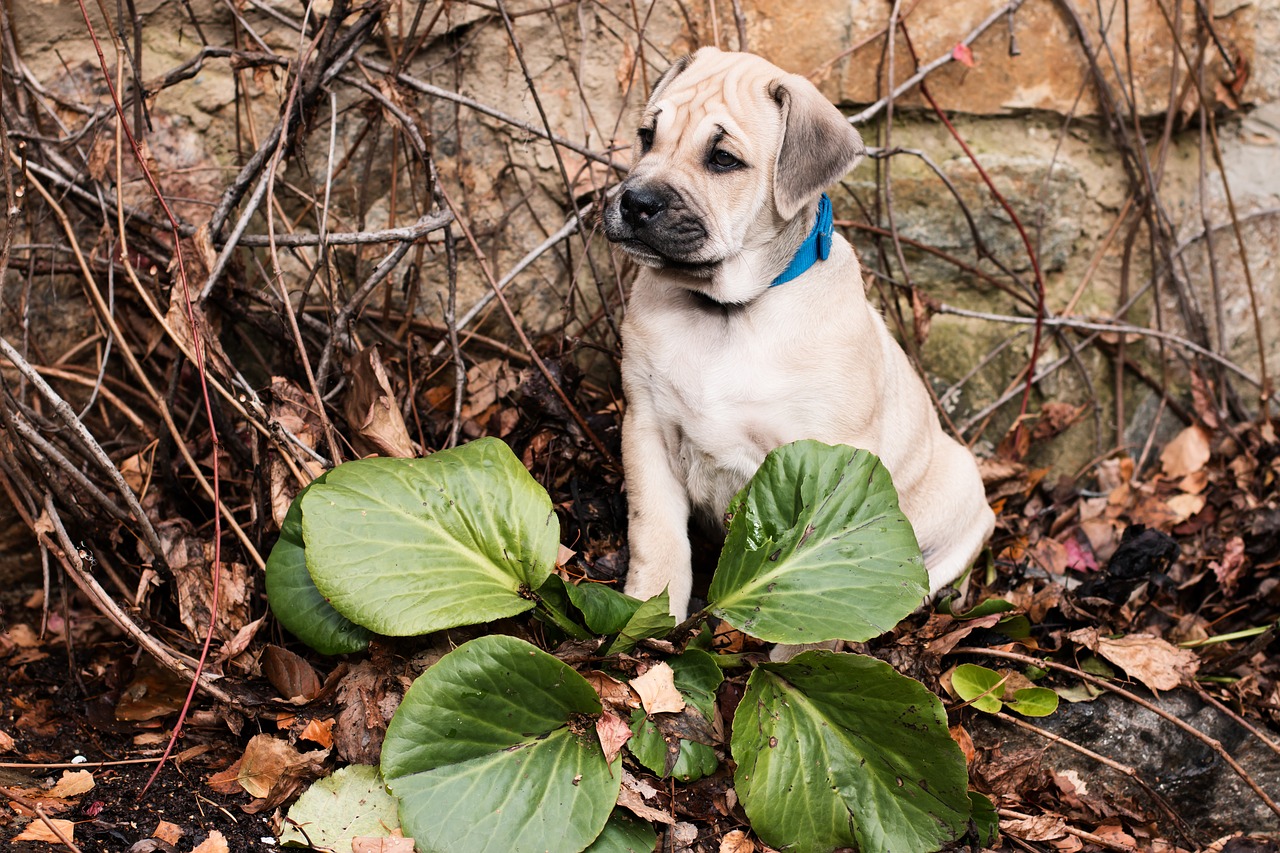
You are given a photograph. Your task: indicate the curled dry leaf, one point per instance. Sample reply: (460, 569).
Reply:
(167, 832)
(371, 408)
(72, 784)
(615, 695)
(1231, 566)
(1188, 452)
(294, 678)
(657, 689)
(1039, 828)
(632, 796)
(737, 842)
(38, 830)
(215, 843)
(613, 732)
(264, 761)
(1158, 664)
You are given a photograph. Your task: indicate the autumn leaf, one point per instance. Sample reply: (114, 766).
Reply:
(613, 732)
(962, 54)
(38, 830)
(657, 689)
(1188, 452)
(1158, 664)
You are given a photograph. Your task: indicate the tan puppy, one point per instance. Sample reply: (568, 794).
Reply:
(719, 368)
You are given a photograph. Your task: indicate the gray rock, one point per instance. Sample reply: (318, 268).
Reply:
(1198, 784)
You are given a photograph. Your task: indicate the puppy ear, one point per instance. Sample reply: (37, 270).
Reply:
(818, 145)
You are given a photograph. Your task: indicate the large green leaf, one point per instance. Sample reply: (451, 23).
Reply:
(605, 610)
(679, 745)
(352, 803)
(624, 834)
(651, 619)
(409, 546)
(818, 550)
(494, 749)
(839, 750)
(293, 596)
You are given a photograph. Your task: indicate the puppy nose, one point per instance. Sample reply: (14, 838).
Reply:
(641, 206)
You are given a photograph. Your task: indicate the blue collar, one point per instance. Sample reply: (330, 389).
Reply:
(816, 247)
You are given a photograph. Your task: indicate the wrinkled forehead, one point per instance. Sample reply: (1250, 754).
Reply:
(718, 93)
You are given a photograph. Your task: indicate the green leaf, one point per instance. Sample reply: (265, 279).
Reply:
(652, 619)
(982, 608)
(1034, 701)
(985, 819)
(352, 803)
(818, 550)
(409, 546)
(979, 686)
(839, 750)
(293, 596)
(624, 834)
(697, 677)
(494, 749)
(605, 610)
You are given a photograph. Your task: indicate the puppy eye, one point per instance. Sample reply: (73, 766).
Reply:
(723, 161)
(645, 135)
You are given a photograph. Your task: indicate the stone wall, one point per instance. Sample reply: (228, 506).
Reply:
(1028, 105)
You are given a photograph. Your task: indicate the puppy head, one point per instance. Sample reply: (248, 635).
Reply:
(729, 150)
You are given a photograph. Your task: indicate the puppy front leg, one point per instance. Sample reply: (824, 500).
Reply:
(657, 516)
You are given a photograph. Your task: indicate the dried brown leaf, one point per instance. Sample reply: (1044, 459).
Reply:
(1232, 565)
(318, 732)
(737, 841)
(1188, 452)
(1158, 664)
(657, 690)
(215, 843)
(613, 732)
(1039, 828)
(38, 830)
(615, 695)
(170, 833)
(72, 784)
(294, 678)
(227, 781)
(632, 796)
(265, 760)
(371, 408)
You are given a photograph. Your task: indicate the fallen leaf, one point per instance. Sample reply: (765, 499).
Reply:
(615, 695)
(167, 832)
(963, 54)
(318, 731)
(613, 732)
(226, 781)
(1039, 828)
(264, 761)
(72, 784)
(1158, 664)
(294, 678)
(22, 636)
(7, 743)
(1232, 565)
(737, 842)
(631, 796)
(371, 407)
(215, 843)
(152, 692)
(657, 689)
(1188, 452)
(1184, 506)
(382, 845)
(38, 830)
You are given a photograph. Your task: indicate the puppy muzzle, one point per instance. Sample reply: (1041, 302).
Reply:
(653, 223)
